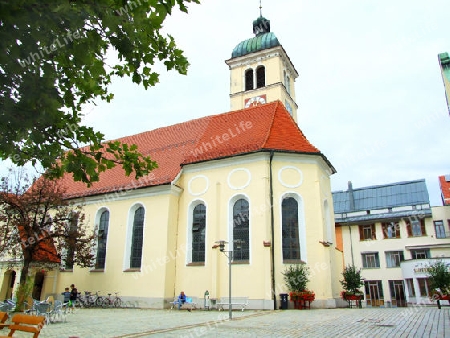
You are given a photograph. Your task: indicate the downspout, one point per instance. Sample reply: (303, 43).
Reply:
(351, 198)
(272, 229)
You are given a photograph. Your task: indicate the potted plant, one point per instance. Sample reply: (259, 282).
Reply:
(296, 277)
(351, 284)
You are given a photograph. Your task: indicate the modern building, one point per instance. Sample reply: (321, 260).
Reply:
(444, 62)
(248, 177)
(392, 234)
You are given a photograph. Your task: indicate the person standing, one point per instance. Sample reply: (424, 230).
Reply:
(66, 295)
(73, 297)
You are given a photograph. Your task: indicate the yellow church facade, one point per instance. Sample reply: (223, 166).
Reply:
(249, 177)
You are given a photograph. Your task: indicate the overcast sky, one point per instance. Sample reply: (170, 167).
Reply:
(370, 92)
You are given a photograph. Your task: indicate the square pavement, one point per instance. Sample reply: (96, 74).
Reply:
(417, 321)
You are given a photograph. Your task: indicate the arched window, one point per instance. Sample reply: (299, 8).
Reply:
(198, 233)
(102, 238)
(249, 79)
(290, 231)
(71, 240)
(260, 77)
(137, 239)
(241, 238)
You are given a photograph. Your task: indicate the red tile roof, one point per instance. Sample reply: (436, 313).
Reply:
(261, 128)
(445, 189)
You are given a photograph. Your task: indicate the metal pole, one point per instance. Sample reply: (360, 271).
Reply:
(230, 307)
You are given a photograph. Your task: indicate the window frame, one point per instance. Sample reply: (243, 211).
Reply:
(374, 260)
(296, 228)
(134, 246)
(394, 256)
(198, 255)
(412, 227)
(101, 246)
(418, 253)
(439, 224)
(249, 79)
(240, 230)
(364, 230)
(395, 225)
(260, 76)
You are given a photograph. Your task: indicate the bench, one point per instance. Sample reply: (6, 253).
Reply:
(241, 302)
(25, 323)
(190, 304)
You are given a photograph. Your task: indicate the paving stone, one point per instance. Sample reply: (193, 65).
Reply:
(353, 323)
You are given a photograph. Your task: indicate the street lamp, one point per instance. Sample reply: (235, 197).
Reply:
(229, 254)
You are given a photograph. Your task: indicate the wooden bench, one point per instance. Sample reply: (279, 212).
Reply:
(25, 323)
(241, 302)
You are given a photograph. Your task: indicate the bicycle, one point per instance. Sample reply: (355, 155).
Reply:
(110, 302)
(95, 300)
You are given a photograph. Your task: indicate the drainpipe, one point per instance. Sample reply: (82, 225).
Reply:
(272, 229)
(351, 198)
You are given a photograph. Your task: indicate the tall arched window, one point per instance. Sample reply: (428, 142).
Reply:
(290, 235)
(198, 233)
(241, 238)
(260, 77)
(71, 241)
(137, 239)
(249, 79)
(102, 238)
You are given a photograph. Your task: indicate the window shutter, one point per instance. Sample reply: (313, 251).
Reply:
(361, 233)
(374, 234)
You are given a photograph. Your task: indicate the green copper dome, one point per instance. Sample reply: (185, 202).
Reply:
(255, 44)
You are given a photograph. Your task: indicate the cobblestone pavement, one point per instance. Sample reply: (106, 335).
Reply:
(366, 322)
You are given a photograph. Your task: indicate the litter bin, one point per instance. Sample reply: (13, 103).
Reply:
(283, 301)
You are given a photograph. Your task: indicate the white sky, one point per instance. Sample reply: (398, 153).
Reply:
(370, 92)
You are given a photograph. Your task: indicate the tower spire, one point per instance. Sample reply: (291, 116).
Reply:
(260, 8)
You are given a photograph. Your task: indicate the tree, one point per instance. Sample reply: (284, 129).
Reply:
(352, 279)
(53, 62)
(439, 276)
(39, 228)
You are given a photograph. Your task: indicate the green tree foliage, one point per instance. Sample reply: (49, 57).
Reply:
(296, 277)
(37, 227)
(439, 276)
(53, 61)
(352, 279)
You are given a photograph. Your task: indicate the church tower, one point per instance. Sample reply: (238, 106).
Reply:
(261, 71)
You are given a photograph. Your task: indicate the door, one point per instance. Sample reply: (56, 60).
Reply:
(374, 293)
(398, 295)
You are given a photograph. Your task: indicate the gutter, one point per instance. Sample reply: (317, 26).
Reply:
(272, 229)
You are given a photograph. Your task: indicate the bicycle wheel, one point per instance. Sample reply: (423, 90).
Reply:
(99, 301)
(117, 302)
(106, 303)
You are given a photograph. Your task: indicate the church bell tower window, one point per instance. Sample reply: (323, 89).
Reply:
(249, 79)
(260, 77)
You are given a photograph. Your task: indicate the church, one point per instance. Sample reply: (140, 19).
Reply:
(248, 177)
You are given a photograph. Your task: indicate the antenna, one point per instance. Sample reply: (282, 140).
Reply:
(260, 8)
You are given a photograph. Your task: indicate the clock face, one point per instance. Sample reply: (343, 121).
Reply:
(254, 101)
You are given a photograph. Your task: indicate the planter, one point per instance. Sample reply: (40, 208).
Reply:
(302, 299)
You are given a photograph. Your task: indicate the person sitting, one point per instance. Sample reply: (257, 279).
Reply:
(182, 300)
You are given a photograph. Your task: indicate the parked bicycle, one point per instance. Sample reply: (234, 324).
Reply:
(93, 299)
(110, 302)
